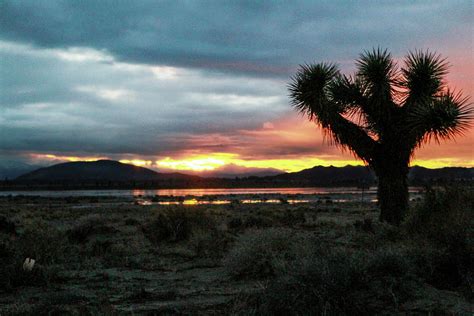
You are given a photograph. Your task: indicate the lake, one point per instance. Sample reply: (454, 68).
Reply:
(222, 195)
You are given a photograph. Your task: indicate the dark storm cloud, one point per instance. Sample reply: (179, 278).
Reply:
(55, 100)
(259, 37)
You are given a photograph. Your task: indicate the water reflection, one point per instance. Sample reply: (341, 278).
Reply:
(192, 197)
(238, 191)
(190, 202)
(169, 203)
(234, 201)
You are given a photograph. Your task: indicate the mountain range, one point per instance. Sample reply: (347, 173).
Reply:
(100, 170)
(109, 173)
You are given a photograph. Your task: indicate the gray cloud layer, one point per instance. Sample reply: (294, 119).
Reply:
(262, 37)
(160, 77)
(61, 100)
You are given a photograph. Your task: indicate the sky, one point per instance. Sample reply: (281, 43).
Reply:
(201, 86)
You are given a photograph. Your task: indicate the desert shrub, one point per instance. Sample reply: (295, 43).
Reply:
(445, 269)
(42, 242)
(436, 266)
(391, 275)
(87, 226)
(388, 262)
(365, 225)
(315, 285)
(326, 281)
(388, 233)
(117, 254)
(131, 222)
(40, 275)
(176, 224)
(7, 226)
(445, 214)
(39, 241)
(54, 303)
(375, 235)
(291, 217)
(445, 217)
(99, 247)
(257, 221)
(210, 243)
(235, 223)
(259, 253)
(7, 263)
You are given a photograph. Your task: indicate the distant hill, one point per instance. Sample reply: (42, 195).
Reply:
(113, 174)
(101, 170)
(328, 176)
(10, 169)
(356, 175)
(420, 174)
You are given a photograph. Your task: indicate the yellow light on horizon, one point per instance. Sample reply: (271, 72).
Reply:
(442, 163)
(213, 161)
(194, 164)
(217, 160)
(137, 162)
(65, 158)
(294, 165)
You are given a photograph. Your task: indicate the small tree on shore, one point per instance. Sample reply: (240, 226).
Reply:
(383, 113)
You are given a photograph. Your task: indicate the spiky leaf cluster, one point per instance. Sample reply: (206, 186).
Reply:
(382, 108)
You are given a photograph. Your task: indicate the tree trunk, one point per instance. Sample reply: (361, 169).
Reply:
(392, 195)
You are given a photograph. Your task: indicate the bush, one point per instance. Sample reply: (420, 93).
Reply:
(445, 217)
(388, 233)
(292, 217)
(39, 241)
(210, 243)
(7, 226)
(176, 224)
(260, 253)
(445, 214)
(131, 222)
(320, 284)
(257, 221)
(7, 263)
(366, 225)
(99, 247)
(321, 281)
(235, 223)
(388, 262)
(88, 226)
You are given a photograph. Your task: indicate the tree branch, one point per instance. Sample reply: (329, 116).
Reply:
(423, 76)
(310, 92)
(376, 78)
(351, 136)
(438, 118)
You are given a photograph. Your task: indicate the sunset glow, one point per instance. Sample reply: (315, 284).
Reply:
(138, 162)
(258, 157)
(218, 160)
(51, 157)
(213, 162)
(195, 163)
(195, 104)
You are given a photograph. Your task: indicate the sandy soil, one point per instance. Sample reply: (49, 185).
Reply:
(106, 264)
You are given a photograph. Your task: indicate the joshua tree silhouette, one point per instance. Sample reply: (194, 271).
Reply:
(383, 113)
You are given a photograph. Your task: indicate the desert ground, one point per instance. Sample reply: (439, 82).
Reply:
(106, 256)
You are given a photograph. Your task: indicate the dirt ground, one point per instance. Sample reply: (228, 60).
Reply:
(112, 257)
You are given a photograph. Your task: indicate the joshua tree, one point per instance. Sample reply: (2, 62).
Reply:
(383, 113)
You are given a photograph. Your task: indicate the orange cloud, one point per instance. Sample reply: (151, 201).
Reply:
(138, 162)
(51, 157)
(289, 144)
